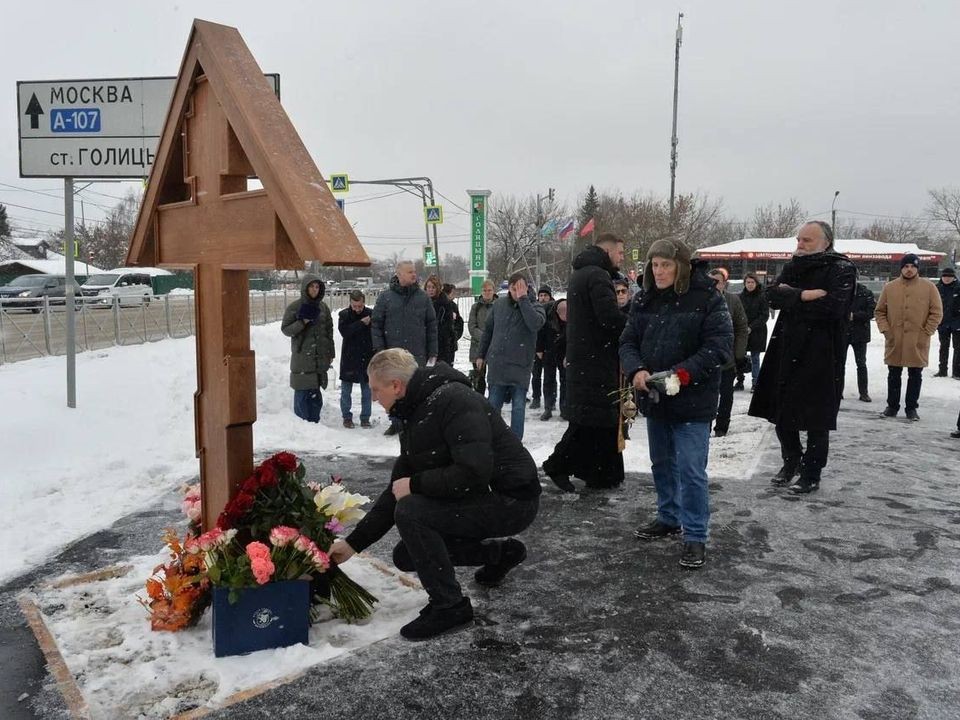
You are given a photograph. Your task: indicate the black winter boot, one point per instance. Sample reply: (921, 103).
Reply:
(512, 553)
(786, 474)
(435, 621)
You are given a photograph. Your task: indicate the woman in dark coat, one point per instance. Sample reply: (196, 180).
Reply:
(588, 449)
(447, 315)
(758, 312)
(309, 325)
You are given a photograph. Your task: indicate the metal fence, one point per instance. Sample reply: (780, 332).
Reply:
(30, 332)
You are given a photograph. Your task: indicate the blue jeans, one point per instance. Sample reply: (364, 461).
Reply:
(307, 404)
(754, 366)
(498, 395)
(346, 400)
(678, 453)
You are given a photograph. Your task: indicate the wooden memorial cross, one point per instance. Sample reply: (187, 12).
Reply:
(224, 125)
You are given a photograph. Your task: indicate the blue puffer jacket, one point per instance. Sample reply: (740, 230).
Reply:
(692, 331)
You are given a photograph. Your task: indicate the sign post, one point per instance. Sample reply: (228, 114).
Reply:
(69, 307)
(478, 239)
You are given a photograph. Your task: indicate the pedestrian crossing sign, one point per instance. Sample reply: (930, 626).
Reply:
(433, 214)
(429, 257)
(340, 183)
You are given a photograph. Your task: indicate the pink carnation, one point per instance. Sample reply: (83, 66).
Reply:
(262, 567)
(321, 559)
(335, 526)
(302, 543)
(282, 535)
(210, 539)
(258, 551)
(192, 546)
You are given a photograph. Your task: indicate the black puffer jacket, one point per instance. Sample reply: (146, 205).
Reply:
(446, 311)
(758, 313)
(800, 379)
(692, 331)
(452, 445)
(404, 318)
(594, 324)
(357, 347)
(950, 298)
(552, 338)
(862, 307)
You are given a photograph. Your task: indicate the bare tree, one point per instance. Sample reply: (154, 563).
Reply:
(945, 208)
(696, 217)
(105, 243)
(778, 221)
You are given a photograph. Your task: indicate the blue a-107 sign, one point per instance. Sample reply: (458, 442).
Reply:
(74, 120)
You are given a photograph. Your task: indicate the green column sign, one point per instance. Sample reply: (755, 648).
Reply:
(478, 238)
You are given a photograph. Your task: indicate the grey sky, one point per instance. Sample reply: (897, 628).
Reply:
(777, 99)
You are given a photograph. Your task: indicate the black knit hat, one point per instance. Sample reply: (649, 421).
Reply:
(948, 272)
(910, 259)
(545, 289)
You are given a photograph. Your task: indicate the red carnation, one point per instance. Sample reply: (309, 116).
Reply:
(223, 522)
(285, 461)
(683, 376)
(250, 485)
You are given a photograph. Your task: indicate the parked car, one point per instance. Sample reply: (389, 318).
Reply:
(132, 288)
(28, 291)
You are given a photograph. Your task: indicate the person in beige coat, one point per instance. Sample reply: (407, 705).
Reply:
(907, 314)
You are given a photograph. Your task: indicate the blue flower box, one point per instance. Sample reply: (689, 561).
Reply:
(269, 616)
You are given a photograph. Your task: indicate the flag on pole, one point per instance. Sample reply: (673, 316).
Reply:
(548, 228)
(566, 229)
(587, 229)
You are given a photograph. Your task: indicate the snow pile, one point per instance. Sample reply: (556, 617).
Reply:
(124, 669)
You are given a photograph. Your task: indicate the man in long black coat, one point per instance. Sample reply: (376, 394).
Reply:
(462, 480)
(355, 353)
(799, 386)
(588, 449)
(861, 315)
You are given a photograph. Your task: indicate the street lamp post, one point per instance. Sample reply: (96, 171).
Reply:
(540, 223)
(833, 214)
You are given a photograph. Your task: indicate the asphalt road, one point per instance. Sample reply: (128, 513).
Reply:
(842, 604)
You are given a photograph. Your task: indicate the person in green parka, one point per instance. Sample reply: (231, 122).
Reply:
(309, 325)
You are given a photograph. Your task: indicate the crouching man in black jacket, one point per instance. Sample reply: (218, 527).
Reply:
(462, 479)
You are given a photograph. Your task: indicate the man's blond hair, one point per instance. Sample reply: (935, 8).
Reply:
(393, 364)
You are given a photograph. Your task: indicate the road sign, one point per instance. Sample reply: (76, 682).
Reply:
(635, 253)
(340, 203)
(340, 183)
(433, 214)
(429, 257)
(93, 128)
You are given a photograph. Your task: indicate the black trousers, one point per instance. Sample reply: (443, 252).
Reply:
(550, 384)
(812, 459)
(945, 337)
(860, 356)
(438, 534)
(726, 399)
(589, 453)
(894, 381)
(535, 379)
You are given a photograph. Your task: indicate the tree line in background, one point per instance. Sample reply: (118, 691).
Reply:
(518, 226)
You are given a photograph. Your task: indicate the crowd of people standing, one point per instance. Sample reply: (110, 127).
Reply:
(680, 346)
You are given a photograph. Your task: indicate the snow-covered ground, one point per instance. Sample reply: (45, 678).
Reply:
(126, 670)
(68, 473)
